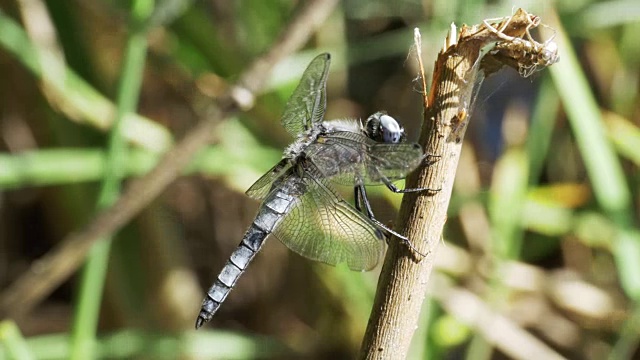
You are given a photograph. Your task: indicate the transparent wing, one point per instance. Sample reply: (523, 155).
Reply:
(307, 104)
(262, 186)
(346, 156)
(323, 227)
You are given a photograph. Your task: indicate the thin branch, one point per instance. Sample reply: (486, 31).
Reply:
(417, 41)
(459, 70)
(52, 269)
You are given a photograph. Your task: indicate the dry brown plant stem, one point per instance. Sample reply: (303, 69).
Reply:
(459, 69)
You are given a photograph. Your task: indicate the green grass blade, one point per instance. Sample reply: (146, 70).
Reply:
(506, 202)
(94, 272)
(74, 96)
(128, 344)
(603, 167)
(542, 123)
(625, 136)
(65, 166)
(13, 344)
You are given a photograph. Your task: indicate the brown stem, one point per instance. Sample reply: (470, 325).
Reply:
(52, 269)
(459, 70)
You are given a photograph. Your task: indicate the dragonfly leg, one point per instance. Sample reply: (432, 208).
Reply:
(361, 198)
(395, 189)
(357, 198)
(431, 159)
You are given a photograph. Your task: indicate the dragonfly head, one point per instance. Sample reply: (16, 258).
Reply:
(383, 128)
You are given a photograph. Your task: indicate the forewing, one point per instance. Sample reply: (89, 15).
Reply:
(323, 227)
(345, 157)
(262, 186)
(393, 161)
(307, 104)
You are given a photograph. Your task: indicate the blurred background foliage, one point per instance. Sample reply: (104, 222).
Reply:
(542, 226)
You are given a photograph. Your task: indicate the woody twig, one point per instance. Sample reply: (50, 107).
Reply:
(460, 69)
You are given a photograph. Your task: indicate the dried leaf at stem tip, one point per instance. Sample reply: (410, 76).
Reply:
(495, 44)
(509, 42)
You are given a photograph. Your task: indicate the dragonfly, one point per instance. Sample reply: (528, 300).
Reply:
(300, 206)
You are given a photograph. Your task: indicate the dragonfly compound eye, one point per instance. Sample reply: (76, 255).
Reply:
(391, 131)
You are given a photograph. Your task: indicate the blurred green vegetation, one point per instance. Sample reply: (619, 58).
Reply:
(543, 224)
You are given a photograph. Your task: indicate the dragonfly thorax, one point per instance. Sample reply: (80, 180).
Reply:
(303, 140)
(306, 138)
(383, 128)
